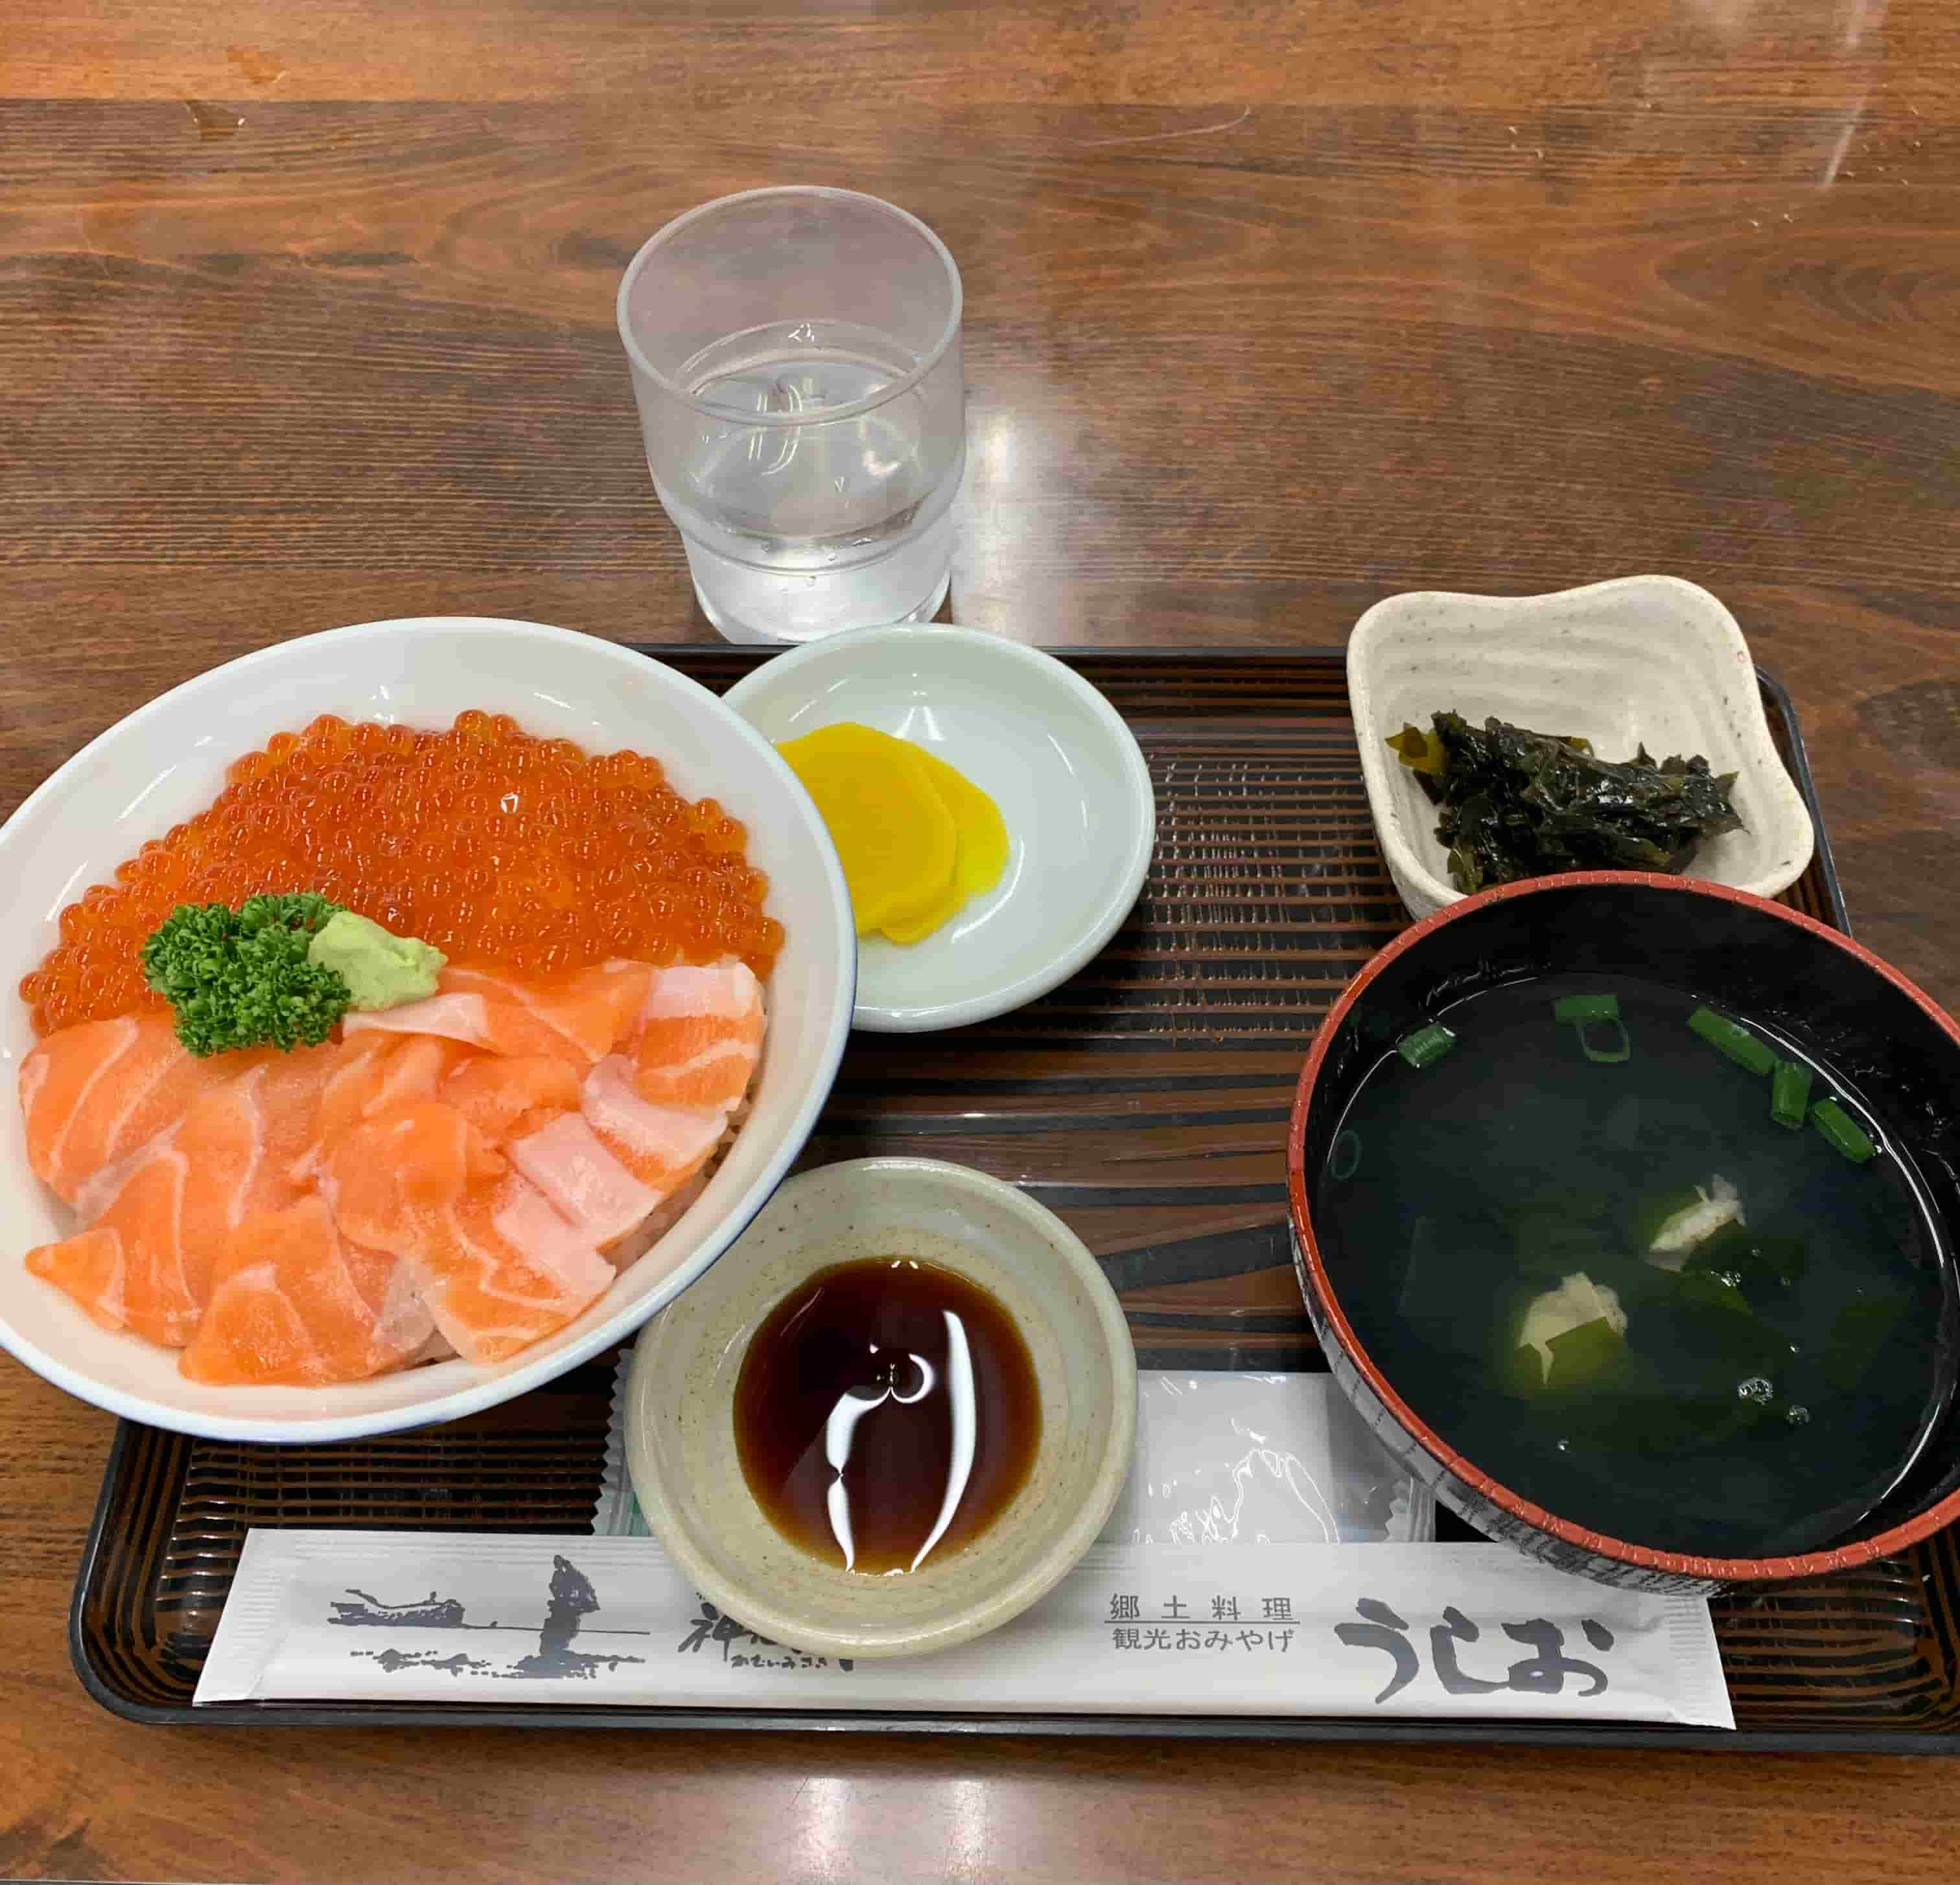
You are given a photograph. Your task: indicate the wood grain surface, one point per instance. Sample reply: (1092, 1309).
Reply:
(1273, 310)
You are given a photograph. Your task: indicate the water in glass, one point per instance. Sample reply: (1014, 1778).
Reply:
(821, 526)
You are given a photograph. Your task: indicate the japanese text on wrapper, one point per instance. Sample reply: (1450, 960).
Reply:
(760, 1652)
(1228, 1625)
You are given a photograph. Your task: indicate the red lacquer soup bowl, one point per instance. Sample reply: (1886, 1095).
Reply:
(1832, 999)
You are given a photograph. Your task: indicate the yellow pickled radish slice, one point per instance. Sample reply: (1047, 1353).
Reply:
(894, 835)
(979, 858)
(982, 854)
(917, 928)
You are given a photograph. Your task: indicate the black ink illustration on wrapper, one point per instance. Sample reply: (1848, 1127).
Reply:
(571, 1599)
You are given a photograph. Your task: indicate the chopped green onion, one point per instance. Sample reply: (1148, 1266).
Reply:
(1843, 1132)
(1584, 1008)
(1425, 1044)
(1622, 1048)
(1789, 1095)
(1732, 1039)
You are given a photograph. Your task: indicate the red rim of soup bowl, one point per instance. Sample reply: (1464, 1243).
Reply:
(1726, 1570)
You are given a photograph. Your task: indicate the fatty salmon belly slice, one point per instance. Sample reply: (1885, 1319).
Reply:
(508, 1096)
(293, 1305)
(392, 1180)
(576, 1017)
(92, 1095)
(144, 1221)
(663, 1146)
(505, 1270)
(585, 1184)
(699, 1036)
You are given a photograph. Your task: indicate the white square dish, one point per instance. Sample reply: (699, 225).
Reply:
(1646, 659)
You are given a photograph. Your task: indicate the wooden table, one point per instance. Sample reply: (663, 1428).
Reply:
(1272, 309)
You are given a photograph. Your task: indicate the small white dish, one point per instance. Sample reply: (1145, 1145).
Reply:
(1643, 659)
(166, 762)
(680, 1426)
(1065, 771)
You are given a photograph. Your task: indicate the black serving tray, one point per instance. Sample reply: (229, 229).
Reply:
(1145, 1101)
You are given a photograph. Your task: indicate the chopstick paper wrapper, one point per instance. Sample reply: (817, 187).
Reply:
(1336, 1629)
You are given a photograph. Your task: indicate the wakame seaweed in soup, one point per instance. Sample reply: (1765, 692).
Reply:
(1644, 1263)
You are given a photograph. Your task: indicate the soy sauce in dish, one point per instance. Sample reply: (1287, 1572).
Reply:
(885, 1413)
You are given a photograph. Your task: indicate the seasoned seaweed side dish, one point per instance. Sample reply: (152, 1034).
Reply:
(1517, 803)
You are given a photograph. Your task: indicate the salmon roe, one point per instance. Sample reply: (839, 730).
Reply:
(492, 844)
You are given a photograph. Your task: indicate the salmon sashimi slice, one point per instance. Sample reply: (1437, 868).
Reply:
(455, 1014)
(89, 1266)
(375, 1072)
(171, 1204)
(463, 1175)
(250, 1146)
(663, 1146)
(577, 1018)
(589, 1188)
(161, 1216)
(355, 1082)
(699, 1035)
(501, 1269)
(93, 1095)
(300, 1091)
(226, 1175)
(145, 1221)
(581, 1016)
(508, 1096)
(292, 1303)
(391, 1179)
(497, 1266)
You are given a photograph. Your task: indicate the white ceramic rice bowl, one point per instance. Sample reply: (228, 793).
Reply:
(167, 760)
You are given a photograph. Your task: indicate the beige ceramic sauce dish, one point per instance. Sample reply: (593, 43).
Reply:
(680, 1431)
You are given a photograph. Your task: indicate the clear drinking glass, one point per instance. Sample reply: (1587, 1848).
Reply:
(796, 358)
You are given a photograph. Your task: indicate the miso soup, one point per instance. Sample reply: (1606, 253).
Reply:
(1647, 1264)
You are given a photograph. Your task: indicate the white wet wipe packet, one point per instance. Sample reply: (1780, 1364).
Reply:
(1222, 1458)
(1228, 1458)
(1285, 1629)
